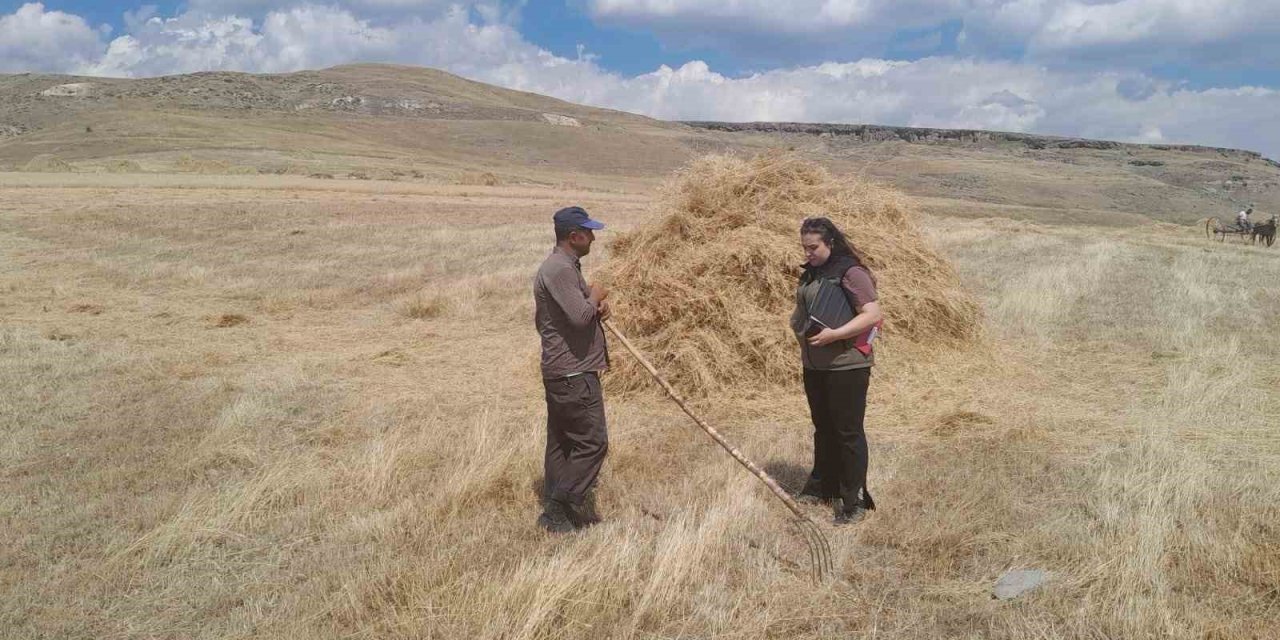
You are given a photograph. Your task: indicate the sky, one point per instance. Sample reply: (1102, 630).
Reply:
(1160, 71)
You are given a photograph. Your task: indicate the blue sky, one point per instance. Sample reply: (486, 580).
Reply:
(1177, 71)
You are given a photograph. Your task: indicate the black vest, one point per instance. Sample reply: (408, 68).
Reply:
(815, 288)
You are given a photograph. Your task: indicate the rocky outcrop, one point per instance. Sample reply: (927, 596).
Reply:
(563, 121)
(919, 135)
(72, 90)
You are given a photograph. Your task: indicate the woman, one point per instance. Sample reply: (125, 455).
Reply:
(836, 319)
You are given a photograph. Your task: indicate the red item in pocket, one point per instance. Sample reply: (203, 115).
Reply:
(863, 340)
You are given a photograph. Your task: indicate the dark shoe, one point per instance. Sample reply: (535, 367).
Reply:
(582, 515)
(852, 516)
(555, 518)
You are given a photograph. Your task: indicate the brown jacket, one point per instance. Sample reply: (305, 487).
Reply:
(572, 337)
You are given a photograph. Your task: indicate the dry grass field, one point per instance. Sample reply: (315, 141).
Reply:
(275, 407)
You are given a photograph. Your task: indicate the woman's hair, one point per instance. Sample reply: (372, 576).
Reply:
(831, 236)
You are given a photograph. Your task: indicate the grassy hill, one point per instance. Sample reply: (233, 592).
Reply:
(397, 122)
(374, 119)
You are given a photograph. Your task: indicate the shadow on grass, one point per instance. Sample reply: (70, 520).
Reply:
(790, 476)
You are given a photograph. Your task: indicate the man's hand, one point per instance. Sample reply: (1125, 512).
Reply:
(823, 338)
(603, 311)
(597, 293)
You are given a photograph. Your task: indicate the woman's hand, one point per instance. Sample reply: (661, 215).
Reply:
(824, 338)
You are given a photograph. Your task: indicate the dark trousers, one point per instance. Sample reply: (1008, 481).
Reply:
(838, 404)
(576, 436)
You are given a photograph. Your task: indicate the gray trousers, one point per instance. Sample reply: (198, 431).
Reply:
(577, 439)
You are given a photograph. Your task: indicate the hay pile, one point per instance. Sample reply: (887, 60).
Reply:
(479, 179)
(202, 165)
(123, 166)
(46, 163)
(190, 164)
(706, 291)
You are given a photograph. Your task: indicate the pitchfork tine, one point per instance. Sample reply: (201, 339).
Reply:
(814, 561)
(827, 566)
(819, 549)
(829, 562)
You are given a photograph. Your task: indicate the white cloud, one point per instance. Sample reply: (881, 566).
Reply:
(492, 10)
(33, 39)
(230, 6)
(1076, 24)
(306, 37)
(935, 92)
(1109, 31)
(796, 16)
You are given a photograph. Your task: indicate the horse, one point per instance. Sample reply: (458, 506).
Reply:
(1266, 232)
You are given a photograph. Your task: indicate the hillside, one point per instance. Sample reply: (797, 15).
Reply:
(370, 119)
(396, 122)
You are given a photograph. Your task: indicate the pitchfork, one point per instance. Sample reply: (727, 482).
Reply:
(819, 548)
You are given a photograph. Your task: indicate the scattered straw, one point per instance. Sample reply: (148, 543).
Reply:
(46, 163)
(708, 289)
(422, 308)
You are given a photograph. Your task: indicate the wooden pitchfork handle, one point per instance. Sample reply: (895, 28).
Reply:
(715, 435)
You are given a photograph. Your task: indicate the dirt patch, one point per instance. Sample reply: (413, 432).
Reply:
(230, 320)
(960, 421)
(89, 308)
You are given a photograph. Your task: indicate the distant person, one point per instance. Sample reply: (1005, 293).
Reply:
(836, 320)
(567, 315)
(1242, 219)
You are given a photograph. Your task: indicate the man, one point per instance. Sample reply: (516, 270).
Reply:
(567, 314)
(1242, 219)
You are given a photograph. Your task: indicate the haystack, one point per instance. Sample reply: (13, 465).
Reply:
(123, 166)
(478, 178)
(707, 290)
(201, 165)
(46, 163)
(211, 166)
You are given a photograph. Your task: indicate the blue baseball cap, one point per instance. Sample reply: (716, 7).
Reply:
(575, 218)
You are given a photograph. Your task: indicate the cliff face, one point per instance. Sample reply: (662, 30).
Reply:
(879, 133)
